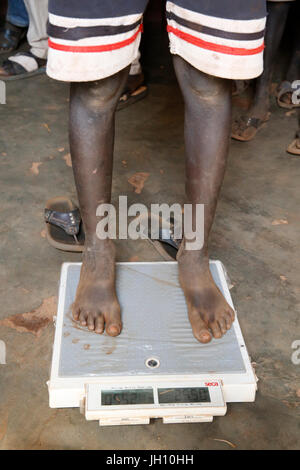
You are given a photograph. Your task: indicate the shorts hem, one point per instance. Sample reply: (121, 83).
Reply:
(228, 69)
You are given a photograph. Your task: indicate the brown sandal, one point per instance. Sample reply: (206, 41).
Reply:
(247, 127)
(135, 91)
(286, 88)
(294, 147)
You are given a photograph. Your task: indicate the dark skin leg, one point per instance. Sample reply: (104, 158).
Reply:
(294, 147)
(207, 100)
(92, 113)
(276, 20)
(207, 132)
(298, 131)
(293, 72)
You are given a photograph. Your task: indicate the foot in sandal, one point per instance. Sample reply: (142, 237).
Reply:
(294, 147)
(64, 230)
(245, 127)
(285, 94)
(22, 65)
(134, 91)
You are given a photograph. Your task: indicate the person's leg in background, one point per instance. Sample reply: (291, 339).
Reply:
(26, 64)
(293, 74)
(15, 27)
(135, 88)
(294, 146)
(17, 13)
(245, 127)
(286, 90)
(37, 32)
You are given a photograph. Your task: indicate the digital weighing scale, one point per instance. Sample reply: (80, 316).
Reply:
(155, 368)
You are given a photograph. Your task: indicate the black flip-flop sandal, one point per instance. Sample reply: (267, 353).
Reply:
(11, 70)
(165, 244)
(64, 230)
(11, 37)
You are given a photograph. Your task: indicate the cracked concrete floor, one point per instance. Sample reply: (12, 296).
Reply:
(261, 255)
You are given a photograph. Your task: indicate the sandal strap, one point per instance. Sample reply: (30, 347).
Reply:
(285, 87)
(13, 68)
(39, 61)
(246, 122)
(167, 236)
(68, 221)
(253, 122)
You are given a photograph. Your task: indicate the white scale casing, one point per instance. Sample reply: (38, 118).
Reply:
(77, 379)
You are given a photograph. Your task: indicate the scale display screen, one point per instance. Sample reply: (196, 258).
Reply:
(127, 397)
(184, 395)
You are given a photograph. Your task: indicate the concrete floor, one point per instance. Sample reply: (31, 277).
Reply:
(262, 258)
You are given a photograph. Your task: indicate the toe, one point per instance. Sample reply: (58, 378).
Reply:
(228, 321)
(204, 336)
(231, 314)
(75, 312)
(82, 318)
(200, 330)
(216, 331)
(113, 326)
(91, 321)
(222, 325)
(113, 329)
(99, 324)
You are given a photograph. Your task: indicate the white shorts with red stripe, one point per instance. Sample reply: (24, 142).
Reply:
(92, 40)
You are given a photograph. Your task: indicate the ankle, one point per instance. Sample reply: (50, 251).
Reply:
(188, 256)
(261, 104)
(93, 243)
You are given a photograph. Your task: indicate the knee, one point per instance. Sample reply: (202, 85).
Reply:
(198, 85)
(101, 95)
(205, 87)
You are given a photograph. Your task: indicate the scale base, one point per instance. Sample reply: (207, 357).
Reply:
(155, 368)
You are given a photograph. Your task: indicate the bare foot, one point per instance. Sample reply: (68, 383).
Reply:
(209, 313)
(96, 305)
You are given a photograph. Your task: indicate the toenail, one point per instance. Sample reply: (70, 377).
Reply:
(114, 329)
(204, 336)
